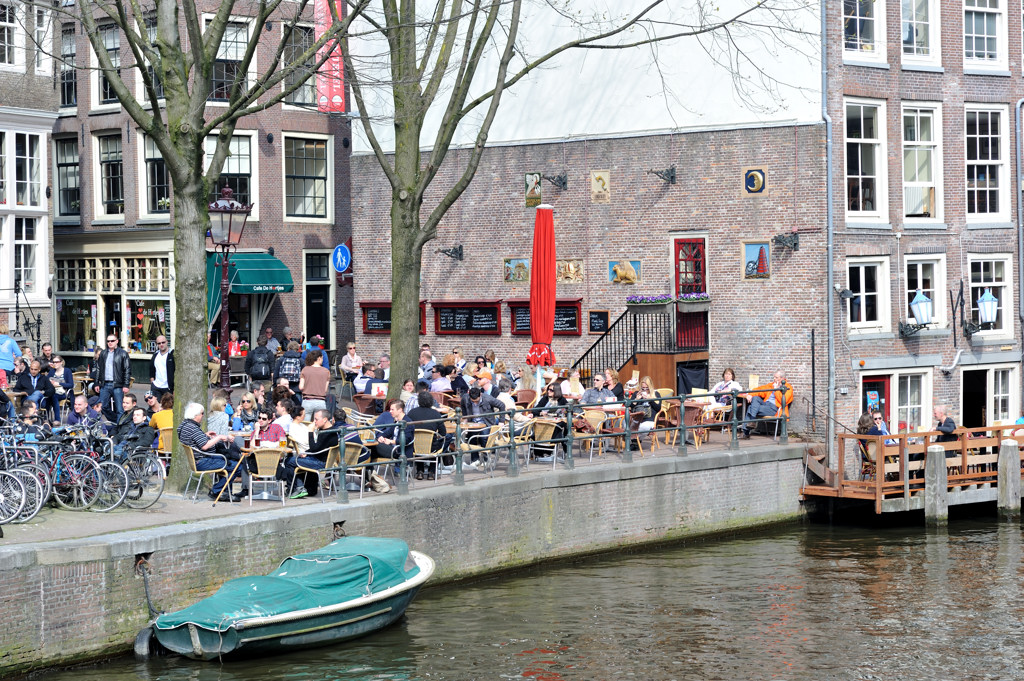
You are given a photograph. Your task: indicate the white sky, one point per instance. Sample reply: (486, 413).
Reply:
(671, 86)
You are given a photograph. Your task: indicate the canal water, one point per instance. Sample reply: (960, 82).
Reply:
(812, 602)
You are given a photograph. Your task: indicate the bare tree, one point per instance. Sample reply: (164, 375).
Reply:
(413, 65)
(174, 51)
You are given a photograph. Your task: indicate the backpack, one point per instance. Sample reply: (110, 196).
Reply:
(261, 367)
(290, 368)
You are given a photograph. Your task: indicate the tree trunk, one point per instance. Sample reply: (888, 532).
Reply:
(190, 376)
(406, 256)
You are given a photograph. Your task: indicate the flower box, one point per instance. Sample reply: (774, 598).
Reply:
(650, 308)
(693, 305)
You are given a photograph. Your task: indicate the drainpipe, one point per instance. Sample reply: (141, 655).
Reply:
(830, 275)
(1020, 227)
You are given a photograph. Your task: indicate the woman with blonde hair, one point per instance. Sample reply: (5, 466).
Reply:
(611, 377)
(217, 421)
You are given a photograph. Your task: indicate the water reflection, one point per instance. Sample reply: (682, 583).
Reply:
(817, 602)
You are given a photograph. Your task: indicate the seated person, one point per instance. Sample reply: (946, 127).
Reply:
(270, 430)
(32, 426)
(388, 432)
(350, 363)
(368, 374)
(439, 381)
(63, 382)
(211, 453)
(124, 419)
(459, 384)
(80, 412)
(139, 434)
(727, 384)
(479, 408)
(7, 406)
(568, 392)
(321, 439)
(645, 408)
(35, 384)
(598, 394)
(426, 417)
(768, 400)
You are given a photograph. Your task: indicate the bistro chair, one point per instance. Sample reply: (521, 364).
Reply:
(325, 475)
(266, 459)
(423, 449)
(544, 430)
(197, 475)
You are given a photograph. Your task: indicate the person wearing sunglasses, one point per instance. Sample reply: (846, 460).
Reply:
(112, 376)
(245, 416)
(161, 368)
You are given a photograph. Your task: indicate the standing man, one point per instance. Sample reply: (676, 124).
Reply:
(768, 400)
(8, 351)
(272, 343)
(114, 373)
(161, 369)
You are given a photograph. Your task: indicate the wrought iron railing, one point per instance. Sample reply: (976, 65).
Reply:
(630, 334)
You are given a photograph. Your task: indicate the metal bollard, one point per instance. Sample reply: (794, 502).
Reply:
(403, 471)
(513, 457)
(568, 441)
(459, 479)
(627, 452)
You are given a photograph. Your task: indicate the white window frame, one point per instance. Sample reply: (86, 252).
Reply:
(210, 145)
(873, 51)
(331, 282)
(926, 400)
(931, 28)
(18, 66)
(329, 218)
(1013, 394)
(11, 172)
(140, 86)
(43, 41)
(999, 61)
(940, 319)
(879, 210)
(936, 184)
(1005, 179)
(94, 77)
(71, 68)
(250, 76)
(99, 207)
(884, 292)
(1005, 327)
(145, 212)
(311, 106)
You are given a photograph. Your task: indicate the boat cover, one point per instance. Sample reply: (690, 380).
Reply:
(343, 570)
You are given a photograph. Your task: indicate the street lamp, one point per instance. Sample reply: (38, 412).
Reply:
(921, 308)
(227, 220)
(988, 310)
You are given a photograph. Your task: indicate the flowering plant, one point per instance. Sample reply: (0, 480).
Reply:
(648, 300)
(317, 341)
(694, 297)
(244, 345)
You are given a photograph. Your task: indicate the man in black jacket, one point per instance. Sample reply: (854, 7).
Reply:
(113, 373)
(425, 411)
(321, 439)
(161, 369)
(35, 384)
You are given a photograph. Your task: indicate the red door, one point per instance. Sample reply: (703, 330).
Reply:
(875, 395)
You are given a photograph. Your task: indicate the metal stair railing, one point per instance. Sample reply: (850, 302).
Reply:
(630, 334)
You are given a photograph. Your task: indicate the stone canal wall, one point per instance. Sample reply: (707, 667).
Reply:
(74, 600)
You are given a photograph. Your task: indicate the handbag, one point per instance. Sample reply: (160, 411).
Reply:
(582, 425)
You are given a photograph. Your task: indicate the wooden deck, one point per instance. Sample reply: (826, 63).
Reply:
(972, 474)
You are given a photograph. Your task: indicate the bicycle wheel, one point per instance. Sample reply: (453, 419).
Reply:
(145, 480)
(42, 475)
(34, 490)
(12, 497)
(76, 482)
(113, 487)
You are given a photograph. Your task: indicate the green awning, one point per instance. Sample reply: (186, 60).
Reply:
(251, 273)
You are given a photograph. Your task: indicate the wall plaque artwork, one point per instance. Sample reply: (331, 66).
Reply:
(516, 270)
(756, 260)
(569, 271)
(624, 271)
(600, 186)
(755, 181)
(533, 193)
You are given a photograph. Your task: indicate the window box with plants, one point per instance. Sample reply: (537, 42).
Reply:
(649, 304)
(693, 302)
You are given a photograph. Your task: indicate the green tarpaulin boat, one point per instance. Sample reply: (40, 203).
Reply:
(349, 588)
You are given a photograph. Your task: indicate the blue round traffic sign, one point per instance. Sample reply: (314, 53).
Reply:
(341, 258)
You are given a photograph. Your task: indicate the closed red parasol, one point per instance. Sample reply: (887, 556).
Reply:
(542, 289)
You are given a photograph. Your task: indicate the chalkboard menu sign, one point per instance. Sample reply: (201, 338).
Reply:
(597, 321)
(377, 317)
(567, 317)
(473, 317)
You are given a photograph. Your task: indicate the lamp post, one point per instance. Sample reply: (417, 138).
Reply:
(921, 308)
(227, 220)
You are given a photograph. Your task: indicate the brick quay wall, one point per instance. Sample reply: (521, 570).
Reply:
(75, 600)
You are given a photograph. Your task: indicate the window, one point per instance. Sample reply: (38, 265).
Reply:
(305, 177)
(1002, 396)
(984, 33)
(987, 176)
(910, 406)
(112, 42)
(864, 29)
(920, 163)
(992, 273)
(158, 181)
(153, 77)
(228, 67)
(920, 30)
(317, 267)
(690, 266)
(27, 165)
(300, 38)
(68, 79)
(927, 273)
(68, 181)
(43, 44)
(111, 175)
(865, 159)
(869, 306)
(3, 167)
(237, 170)
(11, 37)
(25, 253)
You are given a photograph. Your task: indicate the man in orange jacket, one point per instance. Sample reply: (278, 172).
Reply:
(771, 399)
